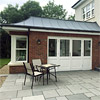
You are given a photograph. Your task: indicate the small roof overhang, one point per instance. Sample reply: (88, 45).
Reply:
(78, 3)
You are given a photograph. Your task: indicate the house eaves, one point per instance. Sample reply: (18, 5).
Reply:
(78, 3)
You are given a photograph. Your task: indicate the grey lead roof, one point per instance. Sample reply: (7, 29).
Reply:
(56, 24)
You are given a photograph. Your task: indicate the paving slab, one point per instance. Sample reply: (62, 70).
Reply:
(8, 95)
(95, 98)
(77, 89)
(16, 99)
(11, 88)
(95, 91)
(50, 93)
(89, 94)
(51, 99)
(64, 91)
(24, 93)
(37, 93)
(12, 83)
(77, 97)
(6, 99)
(61, 98)
(40, 97)
(88, 85)
(22, 80)
(96, 84)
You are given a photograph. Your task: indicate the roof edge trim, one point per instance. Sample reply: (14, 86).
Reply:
(78, 3)
(53, 30)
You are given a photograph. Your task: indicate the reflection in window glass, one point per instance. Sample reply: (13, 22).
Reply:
(20, 42)
(20, 55)
(64, 47)
(52, 47)
(87, 45)
(76, 48)
(21, 48)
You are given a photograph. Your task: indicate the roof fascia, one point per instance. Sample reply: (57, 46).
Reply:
(49, 30)
(78, 3)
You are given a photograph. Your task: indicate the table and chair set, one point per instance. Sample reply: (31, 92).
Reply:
(37, 70)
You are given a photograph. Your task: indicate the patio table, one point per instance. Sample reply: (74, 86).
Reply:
(48, 67)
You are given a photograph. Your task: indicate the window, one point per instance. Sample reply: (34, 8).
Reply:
(87, 46)
(76, 48)
(88, 11)
(18, 48)
(64, 47)
(21, 49)
(52, 47)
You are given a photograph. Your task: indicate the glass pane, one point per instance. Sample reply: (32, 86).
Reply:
(76, 48)
(84, 11)
(92, 4)
(64, 47)
(84, 16)
(92, 12)
(87, 45)
(20, 42)
(20, 55)
(52, 47)
(88, 7)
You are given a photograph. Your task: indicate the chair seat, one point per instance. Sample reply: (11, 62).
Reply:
(37, 73)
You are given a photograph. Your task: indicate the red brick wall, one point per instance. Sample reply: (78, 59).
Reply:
(40, 51)
(16, 69)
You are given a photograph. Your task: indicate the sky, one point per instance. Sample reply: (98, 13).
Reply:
(67, 4)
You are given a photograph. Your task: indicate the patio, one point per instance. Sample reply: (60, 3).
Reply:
(75, 85)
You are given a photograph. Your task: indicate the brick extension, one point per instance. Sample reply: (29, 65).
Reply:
(40, 51)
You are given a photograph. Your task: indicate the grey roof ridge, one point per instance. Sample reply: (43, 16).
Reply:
(62, 19)
(50, 18)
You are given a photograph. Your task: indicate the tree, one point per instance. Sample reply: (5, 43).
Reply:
(30, 8)
(71, 17)
(11, 14)
(5, 46)
(51, 10)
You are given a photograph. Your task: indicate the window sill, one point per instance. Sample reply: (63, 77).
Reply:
(89, 18)
(15, 63)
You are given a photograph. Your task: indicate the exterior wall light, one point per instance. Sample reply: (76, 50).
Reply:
(98, 43)
(38, 41)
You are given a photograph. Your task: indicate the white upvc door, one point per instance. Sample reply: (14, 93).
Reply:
(87, 54)
(70, 53)
(64, 54)
(76, 54)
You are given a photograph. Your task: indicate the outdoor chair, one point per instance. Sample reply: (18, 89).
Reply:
(37, 63)
(29, 70)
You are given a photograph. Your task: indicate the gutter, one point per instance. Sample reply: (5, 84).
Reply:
(25, 28)
(28, 44)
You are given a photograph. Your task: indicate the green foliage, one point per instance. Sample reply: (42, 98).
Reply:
(5, 46)
(71, 17)
(11, 14)
(30, 8)
(4, 62)
(52, 10)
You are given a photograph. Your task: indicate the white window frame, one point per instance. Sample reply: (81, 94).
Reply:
(13, 48)
(88, 11)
